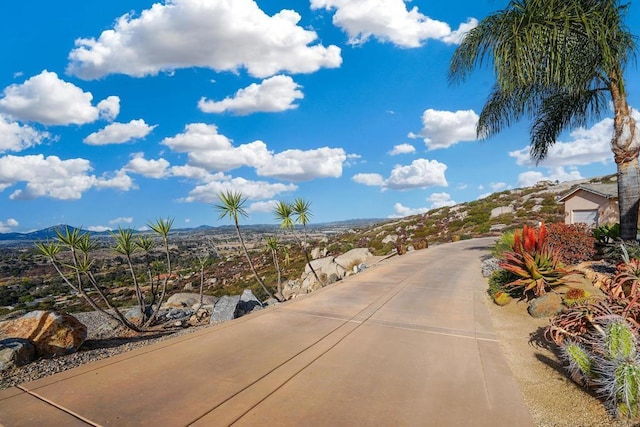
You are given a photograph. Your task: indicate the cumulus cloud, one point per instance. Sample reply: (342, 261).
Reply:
(47, 99)
(401, 211)
(208, 149)
(421, 173)
(273, 95)
(298, 165)
(8, 225)
(402, 149)
(109, 108)
(122, 220)
(99, 228)
(253, 190)
(266, 206)
(440, 200)
(586, 146)
(149, 168)
(371, 179)
(442, 129)
(529, 178)
(389, 21)
(221, 35)
(498, 186)
(119, 133)
(17, 137)
(55, 178)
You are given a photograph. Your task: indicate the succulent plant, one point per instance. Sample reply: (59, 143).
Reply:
(534, 262)
(501, 298)
(575, 296)
(610, 363)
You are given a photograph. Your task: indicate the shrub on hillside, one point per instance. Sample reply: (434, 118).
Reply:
(574, 243)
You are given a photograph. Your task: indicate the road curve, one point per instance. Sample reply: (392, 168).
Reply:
(408, 342)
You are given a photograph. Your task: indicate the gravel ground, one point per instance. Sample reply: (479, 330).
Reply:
(103, 340)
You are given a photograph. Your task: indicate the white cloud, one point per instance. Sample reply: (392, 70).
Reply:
(455, 37)
(498, 186)
(586, 146)
(17, 137)
(273, 95)
(122, 220)
(109, 108)
(442, 129)
(267, 206)
(55, 178)
(253, 190)
(49, 100)
(298, 165)
(119, 133)
(402, 149)
(401, 211)
(6, 226)
(421, 173)
(371, 179)
(149, 168)
(99, 228)
(207, 149)
(527, 179)
(221, 35)
(440, 200)
(390, 21)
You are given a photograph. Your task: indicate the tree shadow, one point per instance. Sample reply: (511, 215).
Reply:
(104, 343)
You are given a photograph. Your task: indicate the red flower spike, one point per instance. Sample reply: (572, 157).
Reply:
(542, 237)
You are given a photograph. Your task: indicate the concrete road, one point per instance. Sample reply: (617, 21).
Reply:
(408, 342)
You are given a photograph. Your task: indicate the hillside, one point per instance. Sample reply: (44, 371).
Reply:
(27, 281)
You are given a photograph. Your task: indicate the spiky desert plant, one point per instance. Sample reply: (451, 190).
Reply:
(533, 261)
(609, 363)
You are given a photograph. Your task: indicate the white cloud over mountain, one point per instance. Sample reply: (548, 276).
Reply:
(275, 94)
(47, 99)
(8, 225)
(221, 35)
(389, 21)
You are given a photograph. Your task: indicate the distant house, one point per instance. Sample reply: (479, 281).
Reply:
(592, 204)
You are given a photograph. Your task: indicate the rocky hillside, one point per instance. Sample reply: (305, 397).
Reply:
(491, 215)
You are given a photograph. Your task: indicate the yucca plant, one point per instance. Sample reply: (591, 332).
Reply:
(533, 261)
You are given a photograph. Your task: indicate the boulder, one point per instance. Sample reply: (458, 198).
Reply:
(248, 303)
(188, 299)
(225, 309)
(546, 305)
(52, 334)
(15, 352)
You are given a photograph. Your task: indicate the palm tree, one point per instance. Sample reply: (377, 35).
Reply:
(301, 210)
(232, 205)
(161, 227)
(559, 62)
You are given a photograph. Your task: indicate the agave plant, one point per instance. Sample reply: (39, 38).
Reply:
(533, 261)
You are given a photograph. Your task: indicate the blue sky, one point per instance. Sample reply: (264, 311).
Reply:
(117, 113)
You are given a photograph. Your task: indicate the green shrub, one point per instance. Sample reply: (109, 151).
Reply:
(503, 244)
(607, 233)
(574, 243)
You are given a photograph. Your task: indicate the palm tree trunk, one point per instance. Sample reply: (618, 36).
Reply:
(625, 145)
(253, 269)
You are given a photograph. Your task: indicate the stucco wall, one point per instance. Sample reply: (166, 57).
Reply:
(584, 200)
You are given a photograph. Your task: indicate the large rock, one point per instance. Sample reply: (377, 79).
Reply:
(248, 303)
(15, 352)
(51, 333)
(225, 309)
(546, 305)
(186, 299)
(489, 266)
